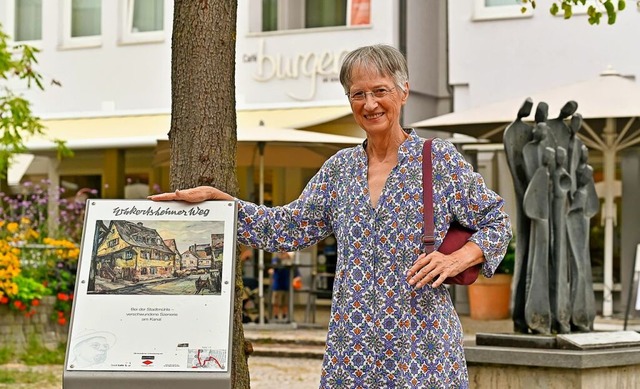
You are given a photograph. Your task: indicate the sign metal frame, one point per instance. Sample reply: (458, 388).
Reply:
(153, 301)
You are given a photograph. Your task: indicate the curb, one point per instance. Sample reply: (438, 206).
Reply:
(288, 351)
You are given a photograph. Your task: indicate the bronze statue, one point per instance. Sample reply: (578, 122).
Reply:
(553, 291)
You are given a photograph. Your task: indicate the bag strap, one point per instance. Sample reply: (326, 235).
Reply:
(428, 227)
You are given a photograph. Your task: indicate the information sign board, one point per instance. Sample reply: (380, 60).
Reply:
(154, 289)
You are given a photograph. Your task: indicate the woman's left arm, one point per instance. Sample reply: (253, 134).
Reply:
(462, 196)
(476, 206)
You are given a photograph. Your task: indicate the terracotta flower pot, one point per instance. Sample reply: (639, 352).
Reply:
(489, 298)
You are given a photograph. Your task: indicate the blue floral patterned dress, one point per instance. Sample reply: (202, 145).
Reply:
(383, 332)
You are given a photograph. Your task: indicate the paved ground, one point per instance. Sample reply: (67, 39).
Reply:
(273, 372)
(303, 344)
(266, 373)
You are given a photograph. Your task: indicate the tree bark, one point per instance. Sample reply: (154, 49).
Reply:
(202, 137)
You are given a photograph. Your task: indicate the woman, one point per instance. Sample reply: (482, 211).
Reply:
(393, 324)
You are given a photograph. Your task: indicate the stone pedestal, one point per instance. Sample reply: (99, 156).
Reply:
(544, 364)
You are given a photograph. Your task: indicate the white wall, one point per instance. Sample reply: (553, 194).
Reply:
(306, 50)
(118, 78)
(503, 58)
(134, 77)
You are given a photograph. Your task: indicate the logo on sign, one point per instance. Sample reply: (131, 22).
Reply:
(148, 359)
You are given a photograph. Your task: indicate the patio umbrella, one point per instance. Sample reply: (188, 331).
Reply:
(610, 107)
(322, 144)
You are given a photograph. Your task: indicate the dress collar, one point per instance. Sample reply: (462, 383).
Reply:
(406, 149)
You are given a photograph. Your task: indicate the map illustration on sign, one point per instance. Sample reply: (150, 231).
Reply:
(154, 257)
(204, 358)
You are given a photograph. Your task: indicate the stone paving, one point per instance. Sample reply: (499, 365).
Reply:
(284, 373)
(290, 356)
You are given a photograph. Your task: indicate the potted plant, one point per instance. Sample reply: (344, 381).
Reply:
(490, 298)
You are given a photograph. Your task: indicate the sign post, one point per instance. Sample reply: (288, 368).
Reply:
(153, 303)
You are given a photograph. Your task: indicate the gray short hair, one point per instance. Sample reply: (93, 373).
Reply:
(387, 60)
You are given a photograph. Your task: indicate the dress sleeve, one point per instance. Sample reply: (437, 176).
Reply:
(473, 204)
(294, 226)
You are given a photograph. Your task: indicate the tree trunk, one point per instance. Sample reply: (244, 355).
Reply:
(203, 119)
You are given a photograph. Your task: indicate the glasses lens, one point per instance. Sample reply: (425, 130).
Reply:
(380, 92)
(357, 96)
(377, 93)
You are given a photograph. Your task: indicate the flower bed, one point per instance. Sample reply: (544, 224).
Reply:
(38, 263)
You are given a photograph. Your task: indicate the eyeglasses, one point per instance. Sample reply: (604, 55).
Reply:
(378, 93)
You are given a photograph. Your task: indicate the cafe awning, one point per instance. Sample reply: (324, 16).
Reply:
(131, 131)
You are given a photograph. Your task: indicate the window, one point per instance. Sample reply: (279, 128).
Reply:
(143, 21)
(325, 13)
(499, 9)
(85, 18)
(82, 23)
(269, 15)
(296, 14)
(147, 15)
(27, 20)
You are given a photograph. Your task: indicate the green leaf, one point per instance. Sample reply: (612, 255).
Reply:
(595, 18)
(608, 5)
(18, 64)
(568, 11)
(621, 5)
(554, 9)
(63, 150)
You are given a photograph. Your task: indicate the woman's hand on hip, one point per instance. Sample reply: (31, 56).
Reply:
(436, 267)
(431, 269)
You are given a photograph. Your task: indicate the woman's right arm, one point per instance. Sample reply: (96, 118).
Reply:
(193, 195)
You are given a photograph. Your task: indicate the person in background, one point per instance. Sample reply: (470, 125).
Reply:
(280, 272)
(393, 324)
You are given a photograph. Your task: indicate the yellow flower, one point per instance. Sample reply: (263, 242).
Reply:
(32, 234)
(12, 227)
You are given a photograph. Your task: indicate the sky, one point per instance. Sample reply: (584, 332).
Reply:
(185, 233)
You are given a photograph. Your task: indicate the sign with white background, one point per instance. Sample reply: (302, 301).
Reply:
(154, 287)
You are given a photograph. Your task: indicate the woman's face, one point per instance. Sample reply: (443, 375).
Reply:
(376, 115)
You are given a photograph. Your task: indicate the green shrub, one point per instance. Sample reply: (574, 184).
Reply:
(6, 355)
(37, 354)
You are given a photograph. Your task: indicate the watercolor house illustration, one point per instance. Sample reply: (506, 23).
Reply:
(189, 261)
(217, 245)
(201, 253)
(203, 258)
(133, 252)
(171, 244)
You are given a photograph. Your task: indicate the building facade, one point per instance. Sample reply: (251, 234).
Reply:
(107, 73)
(107, 66)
